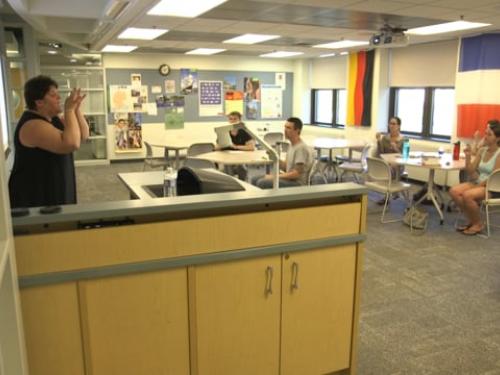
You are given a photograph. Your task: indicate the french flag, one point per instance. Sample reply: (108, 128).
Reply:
(477, 86)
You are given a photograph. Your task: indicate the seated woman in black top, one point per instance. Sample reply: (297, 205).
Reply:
(43, 173)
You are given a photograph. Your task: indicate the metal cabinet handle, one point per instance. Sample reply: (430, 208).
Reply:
(269, 281)
(295, 276)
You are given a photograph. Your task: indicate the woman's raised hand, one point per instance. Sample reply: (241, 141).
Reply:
(74, 100)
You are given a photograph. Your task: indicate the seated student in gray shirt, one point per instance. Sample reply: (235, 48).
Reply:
(299, 159)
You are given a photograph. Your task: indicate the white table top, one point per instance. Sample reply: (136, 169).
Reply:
(135, 182)
(236, 157)
(429, 160)
(326, 143)
(178, 142)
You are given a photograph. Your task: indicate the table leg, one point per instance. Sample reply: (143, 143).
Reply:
(431, 194)
(177, 160)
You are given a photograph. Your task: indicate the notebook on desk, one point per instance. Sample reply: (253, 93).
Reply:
(223, 138)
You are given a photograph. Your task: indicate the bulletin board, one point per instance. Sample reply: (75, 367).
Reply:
(152, 77)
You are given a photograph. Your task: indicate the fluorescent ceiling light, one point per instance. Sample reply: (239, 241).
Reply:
(86, 55)
(342, 44)
(281, 54)
(328, 55)
(205, 51)
(446, 27)
(183, 8)
(115, 48)
(344, 53)
(141, 33)
(251, 38)
(52, 52)
(73, 60)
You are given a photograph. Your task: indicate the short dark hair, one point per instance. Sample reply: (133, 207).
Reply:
(297, 123)
(235, 113)
(398, 120)
(36, 88)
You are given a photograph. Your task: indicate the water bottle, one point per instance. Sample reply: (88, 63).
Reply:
(456, 150)
(406, 148)
(170, 182)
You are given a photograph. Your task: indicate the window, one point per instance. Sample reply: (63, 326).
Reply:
(427, 112)
(329, 107)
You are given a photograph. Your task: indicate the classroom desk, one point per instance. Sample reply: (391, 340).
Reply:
(177, 144)
(136, 181)
(330, 144)
(432, 162)
(231, 157)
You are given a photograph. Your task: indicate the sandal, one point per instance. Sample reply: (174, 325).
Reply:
(461, 228)
(472, 232)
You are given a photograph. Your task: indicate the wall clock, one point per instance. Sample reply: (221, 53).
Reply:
(164, 69)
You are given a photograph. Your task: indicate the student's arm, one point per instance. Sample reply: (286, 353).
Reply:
(294, 173)
(248, 146)
(471, 163)
(41, 134)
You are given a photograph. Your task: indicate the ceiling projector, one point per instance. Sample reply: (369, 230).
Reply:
(390, 37)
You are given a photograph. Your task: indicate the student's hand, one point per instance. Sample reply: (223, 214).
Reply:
(467, 150)
(378, 136)
(80, 98)
(73, 101)
(217, 148)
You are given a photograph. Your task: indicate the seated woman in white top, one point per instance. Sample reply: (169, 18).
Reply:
(467, 195)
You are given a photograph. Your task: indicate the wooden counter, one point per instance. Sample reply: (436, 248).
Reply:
(262, 283)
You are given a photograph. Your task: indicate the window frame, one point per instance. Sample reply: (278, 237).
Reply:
(427, 125)
(333, 123)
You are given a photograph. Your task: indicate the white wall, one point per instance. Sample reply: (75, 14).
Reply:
(329, 73)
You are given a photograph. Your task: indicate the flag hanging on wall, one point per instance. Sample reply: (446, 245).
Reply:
(359, 103)
(477, 83)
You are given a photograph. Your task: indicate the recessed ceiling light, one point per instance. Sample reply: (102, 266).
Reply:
(116, 48)
(52, 52)
(205, 51)
(342, 44)
(281, 54)
(328, 55)
(141, 33)
(251, 38)
(183, 8)
(446, 27)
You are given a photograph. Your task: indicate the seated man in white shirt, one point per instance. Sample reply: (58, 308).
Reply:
(299, 159)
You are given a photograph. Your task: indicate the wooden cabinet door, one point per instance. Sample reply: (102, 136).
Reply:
(317, 311)
(136, 324)
(235, 320)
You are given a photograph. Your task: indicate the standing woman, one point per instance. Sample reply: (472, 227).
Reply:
(43, 173)
(467, 195)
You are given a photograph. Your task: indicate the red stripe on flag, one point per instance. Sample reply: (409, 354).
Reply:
(359, 92)
(472, 117)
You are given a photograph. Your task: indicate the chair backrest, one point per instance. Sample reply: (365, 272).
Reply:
(199, 163)
(149, 150)
(313, 171)
(273, 137)
(378, 169)
(364, 155)
(493, 182)
(199, 148)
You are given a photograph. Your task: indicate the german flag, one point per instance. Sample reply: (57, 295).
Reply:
(359, 102)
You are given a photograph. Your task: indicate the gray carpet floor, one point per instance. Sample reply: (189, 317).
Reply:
(430, 303)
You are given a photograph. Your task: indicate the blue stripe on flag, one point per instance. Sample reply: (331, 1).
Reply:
(480, 53)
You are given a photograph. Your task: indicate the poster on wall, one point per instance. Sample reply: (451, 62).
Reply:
(272, 102)
(252, 109)
(135, 81)
(280, 80)
(252, 88)
(169, 86)
(233, 101)
(128, 132)
(189, 81)
(174, 112)
(139, 99)
(210, 98)
(120, 99)
(229, 83)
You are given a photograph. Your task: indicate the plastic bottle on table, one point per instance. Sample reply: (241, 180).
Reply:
(456, 151)
(406, 148)
(170, 182)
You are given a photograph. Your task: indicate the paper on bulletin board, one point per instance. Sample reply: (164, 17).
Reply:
(156, 89)
(120, 99)
(233, 102)
(174, 112)
(272, 101)
(210, 98)
(151, 109)
(280, 80)
(169, 86)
